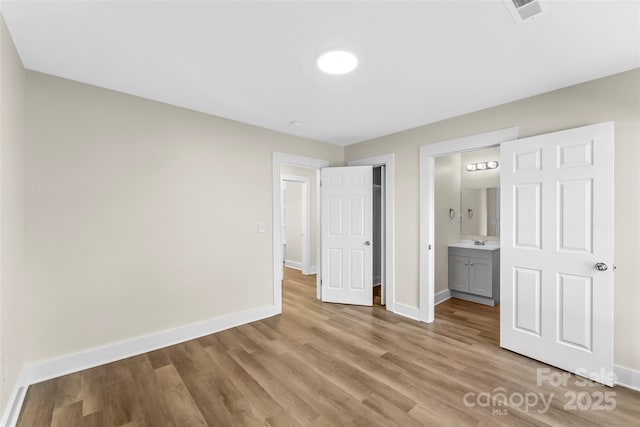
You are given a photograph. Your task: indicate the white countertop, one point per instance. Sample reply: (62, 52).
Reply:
(488, 246)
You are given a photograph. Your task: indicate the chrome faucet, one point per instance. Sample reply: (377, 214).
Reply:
(479, 242)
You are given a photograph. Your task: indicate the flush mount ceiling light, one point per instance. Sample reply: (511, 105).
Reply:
(337, 62)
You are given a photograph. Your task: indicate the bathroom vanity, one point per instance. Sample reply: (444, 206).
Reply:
(474, 272)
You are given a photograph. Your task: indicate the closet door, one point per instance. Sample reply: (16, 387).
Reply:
(347, 231)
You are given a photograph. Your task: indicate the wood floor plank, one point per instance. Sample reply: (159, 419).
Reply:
(69, 391)
(212, 398)
(39, 404)
(262, 402)
(184, 410)
(68, 415)
(321, 364)
(279, 389)
(154, 406)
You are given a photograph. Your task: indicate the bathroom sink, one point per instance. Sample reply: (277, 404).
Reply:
(489, 246)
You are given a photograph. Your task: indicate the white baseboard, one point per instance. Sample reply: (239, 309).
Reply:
(629, 378)
(96, 356)
(293, 264)
(406, 311)
(312, 270)
(478, 299)
(14, 404)
(442, 296)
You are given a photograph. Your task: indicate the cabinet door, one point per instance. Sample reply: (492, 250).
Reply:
(480, 277)
(459, 273)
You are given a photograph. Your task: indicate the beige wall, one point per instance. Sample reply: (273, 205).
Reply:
(141, 216)
(615, 98)
(313, 189)
(447, 230)
(12, 308)
(293, 221)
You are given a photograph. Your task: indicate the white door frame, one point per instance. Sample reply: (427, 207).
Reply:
(279, 160)
(428, 153)
(388, 160)
(306, 219)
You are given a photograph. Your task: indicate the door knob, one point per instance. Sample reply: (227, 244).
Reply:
(601, 266)
(367, 243)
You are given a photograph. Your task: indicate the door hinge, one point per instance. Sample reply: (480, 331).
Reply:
(320, 183)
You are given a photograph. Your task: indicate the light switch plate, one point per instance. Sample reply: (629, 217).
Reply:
(261, 227)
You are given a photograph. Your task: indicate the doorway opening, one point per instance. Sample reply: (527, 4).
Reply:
(428, 155)
(312, 166)
(467, 237)
(298, 220)
(378, 241)
(384, 225)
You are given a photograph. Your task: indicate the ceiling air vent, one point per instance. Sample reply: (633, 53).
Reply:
(524, 10)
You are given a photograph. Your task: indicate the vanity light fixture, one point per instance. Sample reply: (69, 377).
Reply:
(471, 167)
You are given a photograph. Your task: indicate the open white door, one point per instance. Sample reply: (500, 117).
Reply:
(557, 249)
(346, 200)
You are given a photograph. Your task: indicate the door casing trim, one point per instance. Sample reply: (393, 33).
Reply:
(428, 153)
(286, 159)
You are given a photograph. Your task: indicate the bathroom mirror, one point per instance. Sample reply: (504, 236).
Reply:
(480, 212)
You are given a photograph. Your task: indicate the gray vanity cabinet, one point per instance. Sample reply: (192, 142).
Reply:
(480, 277)
(474, 274)
(458, 273)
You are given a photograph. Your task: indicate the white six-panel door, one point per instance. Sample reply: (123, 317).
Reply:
(347, 252)
(557, 225)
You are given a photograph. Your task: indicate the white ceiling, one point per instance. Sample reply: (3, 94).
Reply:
(419, 62)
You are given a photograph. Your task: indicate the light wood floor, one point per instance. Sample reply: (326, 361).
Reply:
(319, 365)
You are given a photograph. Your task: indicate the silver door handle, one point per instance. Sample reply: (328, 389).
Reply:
(601, 266)
(367, 243)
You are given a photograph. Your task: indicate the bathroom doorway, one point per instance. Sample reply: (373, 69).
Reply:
(467, 226)
(467, 237)
(428, 156)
